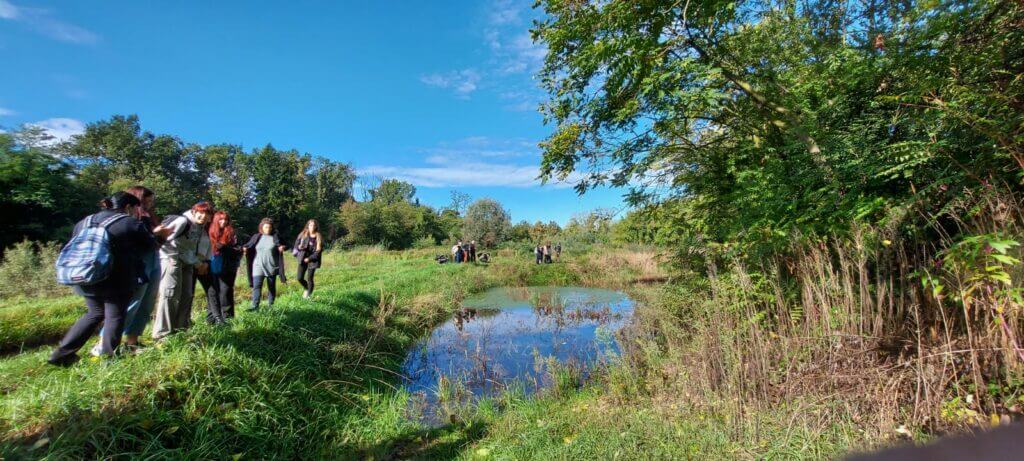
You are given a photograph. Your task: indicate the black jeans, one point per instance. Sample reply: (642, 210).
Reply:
(226, 289)
(257, 287)
(110, 311)
(214, 308)
(308, 284)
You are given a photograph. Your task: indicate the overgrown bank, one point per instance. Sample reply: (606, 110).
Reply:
(313, 379)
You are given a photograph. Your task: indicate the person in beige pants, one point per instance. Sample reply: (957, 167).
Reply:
(182, 256)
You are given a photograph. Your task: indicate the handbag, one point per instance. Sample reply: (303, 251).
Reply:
(217, 264)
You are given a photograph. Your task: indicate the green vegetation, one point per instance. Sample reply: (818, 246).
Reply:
(839, 185)
(315, 378)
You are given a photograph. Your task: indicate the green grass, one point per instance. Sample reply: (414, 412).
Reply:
(318, 379)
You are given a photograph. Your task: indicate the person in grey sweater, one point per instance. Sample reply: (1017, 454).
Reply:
(265, 261)
(185, 253)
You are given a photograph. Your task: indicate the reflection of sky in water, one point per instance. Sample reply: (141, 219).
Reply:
(512, 329)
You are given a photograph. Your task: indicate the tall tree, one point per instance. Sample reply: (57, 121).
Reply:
(487, 222)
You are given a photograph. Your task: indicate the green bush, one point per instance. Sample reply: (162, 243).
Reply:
(28, 270)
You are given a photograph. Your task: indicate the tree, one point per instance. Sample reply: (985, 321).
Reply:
(41, 201)
(486, 222)
(459, 201)
(391, 191)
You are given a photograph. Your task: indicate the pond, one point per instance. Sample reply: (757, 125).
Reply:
(513, 338)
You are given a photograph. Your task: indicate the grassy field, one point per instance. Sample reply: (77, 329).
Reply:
(318, 379)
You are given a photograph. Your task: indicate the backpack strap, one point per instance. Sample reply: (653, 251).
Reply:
(111, 220)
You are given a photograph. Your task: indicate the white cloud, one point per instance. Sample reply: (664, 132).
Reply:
(4, 112)
(464, 174)
(43, 21)
(62, 129)
(505, 12)
(463, 82)
(8, 11)
(476, 161)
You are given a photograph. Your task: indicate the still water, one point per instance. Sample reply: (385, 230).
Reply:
(508, 338)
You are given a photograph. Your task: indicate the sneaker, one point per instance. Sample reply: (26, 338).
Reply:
(305, 294)
(96, 350)
(65, 361)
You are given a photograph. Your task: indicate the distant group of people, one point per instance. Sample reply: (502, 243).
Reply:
(464, 252)
(544, 253)
(125, 262)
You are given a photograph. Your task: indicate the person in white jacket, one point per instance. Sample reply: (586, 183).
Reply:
(185, 253)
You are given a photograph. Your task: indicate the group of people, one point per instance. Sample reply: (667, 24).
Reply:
(155, 264)
(544, 252)
(464, 252)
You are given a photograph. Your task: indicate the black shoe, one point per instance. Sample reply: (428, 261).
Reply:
(65, 361)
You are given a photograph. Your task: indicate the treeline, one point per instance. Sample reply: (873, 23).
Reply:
(48, 185)
(852, 168)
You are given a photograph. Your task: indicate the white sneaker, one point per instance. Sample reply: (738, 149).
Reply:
(96, 350)
(305, 294)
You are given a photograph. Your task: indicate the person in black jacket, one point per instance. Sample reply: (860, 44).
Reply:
(264, 262)
(108, 300)
(226, 256)
(309, 245)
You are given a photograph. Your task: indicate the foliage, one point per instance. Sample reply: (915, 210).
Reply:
(764, 119)
(54, 186)
(486, 222)
(390, 219)
(40, 200)
(27, 269)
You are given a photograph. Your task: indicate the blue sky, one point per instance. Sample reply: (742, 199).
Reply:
(437, 93)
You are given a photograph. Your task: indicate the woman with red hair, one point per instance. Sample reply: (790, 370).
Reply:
(184, 255)
(223, 268)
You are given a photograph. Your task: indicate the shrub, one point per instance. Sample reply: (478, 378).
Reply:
(28, 270)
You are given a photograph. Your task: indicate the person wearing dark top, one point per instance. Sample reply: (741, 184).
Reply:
(140, 308)
(472, 251)
(465, 252)
(224, 261)
(308, 247)
(264, 262)
(107, 301)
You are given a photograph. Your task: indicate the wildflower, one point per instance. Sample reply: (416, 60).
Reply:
(567, 440)
(483, 452)
(886, 242)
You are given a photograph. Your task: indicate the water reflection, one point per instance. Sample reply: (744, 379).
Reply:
(512, 338)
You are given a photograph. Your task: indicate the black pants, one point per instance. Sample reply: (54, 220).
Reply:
(308, 284)
(226, 290)
(257, 287)
(214, 308)
(108, 310)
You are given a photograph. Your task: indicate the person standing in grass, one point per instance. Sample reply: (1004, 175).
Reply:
(108, 299)
(226, 254)
(265, 262)
(558, 251)
(308, 248)
(472, 251)
(538, 253)
(184, 255)
(457, 251)
(141, 305)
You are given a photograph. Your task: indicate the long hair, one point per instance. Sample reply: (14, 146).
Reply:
(224, 235)
(141, 193)
(305, 229)
(259, 228)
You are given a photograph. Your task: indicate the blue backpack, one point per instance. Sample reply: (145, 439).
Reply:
(87, 259)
